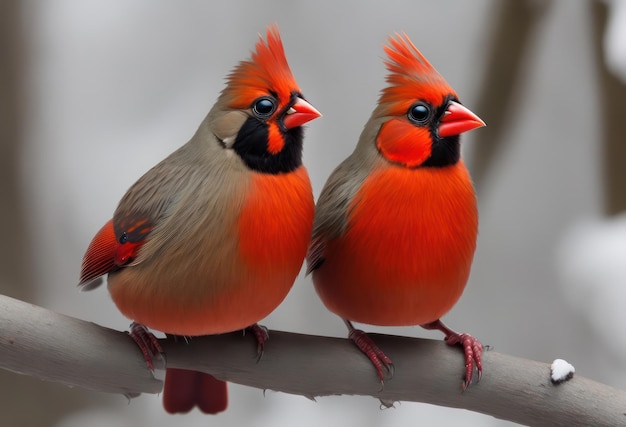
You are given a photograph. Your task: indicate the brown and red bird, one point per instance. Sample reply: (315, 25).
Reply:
(396, 223)
(211, 239)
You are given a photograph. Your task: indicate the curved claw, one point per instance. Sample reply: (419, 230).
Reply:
(373, 353)
(147, 343)
(262, 334)
(472, 348)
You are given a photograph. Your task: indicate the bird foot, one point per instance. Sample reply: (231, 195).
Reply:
(371, 350)
(261, 333)
(472, 348)
(147, 343)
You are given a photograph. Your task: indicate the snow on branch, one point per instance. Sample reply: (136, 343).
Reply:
(37, 342)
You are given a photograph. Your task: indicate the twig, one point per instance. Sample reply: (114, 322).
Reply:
(54, 347)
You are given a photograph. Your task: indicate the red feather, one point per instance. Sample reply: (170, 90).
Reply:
(106, 254)
(185, 389)
(268, 68)
(99, 258)
(410, 77)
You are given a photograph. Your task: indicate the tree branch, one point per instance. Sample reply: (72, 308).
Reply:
(54, 347)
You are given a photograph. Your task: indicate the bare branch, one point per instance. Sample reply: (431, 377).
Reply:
(38, 342)
(35, 341)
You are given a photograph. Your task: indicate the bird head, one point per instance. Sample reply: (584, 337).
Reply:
(261, 110)
(422, 117)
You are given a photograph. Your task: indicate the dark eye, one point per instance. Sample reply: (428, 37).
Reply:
(264, 107)
(123, 238)
(419, 113)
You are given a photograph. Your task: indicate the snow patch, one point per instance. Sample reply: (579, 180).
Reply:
(561, 371)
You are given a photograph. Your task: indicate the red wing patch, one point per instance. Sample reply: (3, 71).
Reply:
(131, 234)
(112, 247)
(100, 256)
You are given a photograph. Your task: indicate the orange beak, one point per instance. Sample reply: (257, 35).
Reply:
(458, 119)
(300, 113)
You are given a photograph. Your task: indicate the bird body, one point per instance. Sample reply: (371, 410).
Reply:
(406, 253)
(396, 223)
(211, 239)
(258, 236)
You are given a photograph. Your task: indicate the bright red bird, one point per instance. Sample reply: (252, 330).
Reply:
(211, 239)
(396, 223)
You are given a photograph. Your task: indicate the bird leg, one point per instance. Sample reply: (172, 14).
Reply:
(261, 334)
(472, 348)
(371, 350)
(148, 344)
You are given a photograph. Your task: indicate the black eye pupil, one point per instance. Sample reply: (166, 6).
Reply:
(263, 107)
(419, 113)
(123, 238)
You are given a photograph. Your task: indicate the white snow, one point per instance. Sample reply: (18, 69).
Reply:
(561, 371)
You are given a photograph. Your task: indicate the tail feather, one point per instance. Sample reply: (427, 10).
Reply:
(212, 394)
(185, 389)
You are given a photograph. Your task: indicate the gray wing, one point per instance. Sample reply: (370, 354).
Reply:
(183, 195)
(331, 211)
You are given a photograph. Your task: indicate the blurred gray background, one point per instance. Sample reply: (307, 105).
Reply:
(94, 93)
